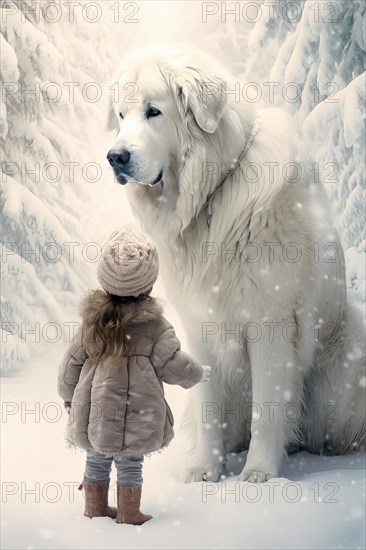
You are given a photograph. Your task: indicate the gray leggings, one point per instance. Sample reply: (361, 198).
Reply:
(98, 468)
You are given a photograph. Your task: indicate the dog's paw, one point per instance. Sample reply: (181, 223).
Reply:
(253, 476)
(209, 472)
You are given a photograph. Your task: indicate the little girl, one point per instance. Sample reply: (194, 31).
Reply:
(111, 377)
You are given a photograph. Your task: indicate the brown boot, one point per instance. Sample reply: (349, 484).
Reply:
(128, 505)
(96, 500)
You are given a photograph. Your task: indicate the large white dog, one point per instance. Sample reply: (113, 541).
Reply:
(250, 259)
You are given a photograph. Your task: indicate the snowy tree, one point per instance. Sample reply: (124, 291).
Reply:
(53, 172)
(314, 54)
(344, 153)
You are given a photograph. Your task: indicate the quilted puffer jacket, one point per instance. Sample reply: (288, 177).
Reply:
(120, 409)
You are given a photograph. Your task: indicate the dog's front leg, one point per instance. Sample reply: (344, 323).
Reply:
(276, 394)
(204, 422)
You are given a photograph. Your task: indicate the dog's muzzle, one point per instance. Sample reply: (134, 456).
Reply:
(124, 168)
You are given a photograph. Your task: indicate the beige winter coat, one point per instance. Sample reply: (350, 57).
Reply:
(120, 409)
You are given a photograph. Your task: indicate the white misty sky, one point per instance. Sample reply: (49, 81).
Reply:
(167, 20)
(179, 21)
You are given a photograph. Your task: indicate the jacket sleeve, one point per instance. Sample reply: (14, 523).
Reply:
(172, 365)
(70, 368)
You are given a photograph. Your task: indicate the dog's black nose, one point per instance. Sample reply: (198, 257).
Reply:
(119, 158)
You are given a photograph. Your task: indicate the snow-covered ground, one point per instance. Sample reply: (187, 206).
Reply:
(317, 502)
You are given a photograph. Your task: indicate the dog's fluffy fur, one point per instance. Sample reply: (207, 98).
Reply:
(261, 291)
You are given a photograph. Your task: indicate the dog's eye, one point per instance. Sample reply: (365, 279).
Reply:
(152, 111)
(121, 116)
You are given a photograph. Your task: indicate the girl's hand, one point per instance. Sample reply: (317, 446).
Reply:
(67, 405)
(206, 373)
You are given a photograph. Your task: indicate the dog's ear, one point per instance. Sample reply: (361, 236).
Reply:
(112, 121)
(197, 92)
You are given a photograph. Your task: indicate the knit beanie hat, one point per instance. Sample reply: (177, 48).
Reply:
(129, 264)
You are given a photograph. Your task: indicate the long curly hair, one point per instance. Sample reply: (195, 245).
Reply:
(106, 320)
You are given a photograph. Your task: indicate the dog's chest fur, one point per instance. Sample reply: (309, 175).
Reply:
(201, 268)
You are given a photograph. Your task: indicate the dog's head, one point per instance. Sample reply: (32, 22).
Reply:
(163, 103)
